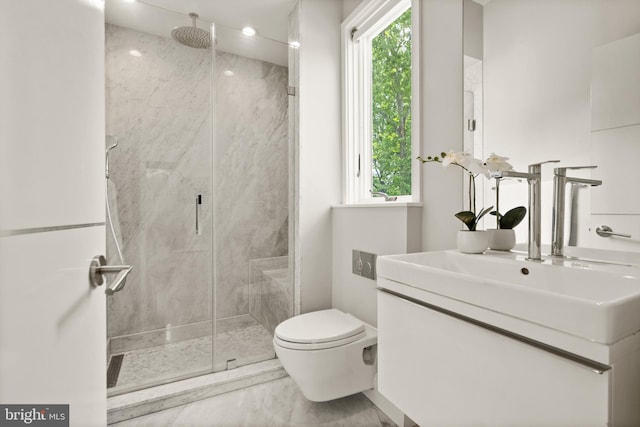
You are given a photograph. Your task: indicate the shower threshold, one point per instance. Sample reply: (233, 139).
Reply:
(154, 399)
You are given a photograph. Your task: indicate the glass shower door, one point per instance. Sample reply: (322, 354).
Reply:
(253, 286)
(160, 192)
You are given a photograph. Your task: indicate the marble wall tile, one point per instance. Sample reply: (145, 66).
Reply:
(276, 299)
(270, 296)
(257, 267)
(250, 173)
(158, 104)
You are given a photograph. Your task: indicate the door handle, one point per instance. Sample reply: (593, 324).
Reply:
(98, 268)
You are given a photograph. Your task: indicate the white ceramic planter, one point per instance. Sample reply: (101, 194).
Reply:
(502, 239)
(472, 242)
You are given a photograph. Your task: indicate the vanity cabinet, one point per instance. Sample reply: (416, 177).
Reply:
(442, 370)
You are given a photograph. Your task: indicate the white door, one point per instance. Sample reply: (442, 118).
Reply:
(52, 321)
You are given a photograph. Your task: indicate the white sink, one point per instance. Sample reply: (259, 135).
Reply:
(594, 300)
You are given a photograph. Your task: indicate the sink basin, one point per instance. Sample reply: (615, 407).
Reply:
(598, 301)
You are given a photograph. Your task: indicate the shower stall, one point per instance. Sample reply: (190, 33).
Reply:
(197, 194)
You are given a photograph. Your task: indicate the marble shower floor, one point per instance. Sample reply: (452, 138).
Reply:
(248, 343)
(276, 403)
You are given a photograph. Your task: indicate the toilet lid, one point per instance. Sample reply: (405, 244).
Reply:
(319, 345)
(323, 326)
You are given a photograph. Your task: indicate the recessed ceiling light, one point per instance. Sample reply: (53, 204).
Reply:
(228, 73)
(248, 31)
(294, 44)
(134, 52)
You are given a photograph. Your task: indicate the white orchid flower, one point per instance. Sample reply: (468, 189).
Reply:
(495, 163)
(476, 167)
(473, 165)
(453, 157)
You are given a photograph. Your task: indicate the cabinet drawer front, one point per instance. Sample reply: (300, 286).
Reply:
(441, 370)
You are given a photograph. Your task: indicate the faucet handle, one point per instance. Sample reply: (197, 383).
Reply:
(387, 198)
(537, 167)
(563, 170)
(546, 161)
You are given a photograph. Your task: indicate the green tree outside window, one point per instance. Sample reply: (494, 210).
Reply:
(391, 108)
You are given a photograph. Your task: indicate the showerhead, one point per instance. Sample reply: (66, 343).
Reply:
(192, 36)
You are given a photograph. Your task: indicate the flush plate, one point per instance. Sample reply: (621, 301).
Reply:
(363, 264)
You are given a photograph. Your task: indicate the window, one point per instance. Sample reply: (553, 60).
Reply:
(379, 78)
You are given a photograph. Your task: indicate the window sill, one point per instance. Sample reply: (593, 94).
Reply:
(381, 204)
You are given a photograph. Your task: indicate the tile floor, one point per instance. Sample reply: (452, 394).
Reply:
(277, 403)
(248, 343)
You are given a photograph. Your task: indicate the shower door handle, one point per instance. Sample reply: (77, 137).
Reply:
(198, 203)
(98, 268)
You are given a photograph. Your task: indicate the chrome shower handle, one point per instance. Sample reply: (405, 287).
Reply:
(98, 268)
(198, 203)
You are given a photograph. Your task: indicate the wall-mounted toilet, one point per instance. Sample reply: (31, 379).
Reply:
(329, 353)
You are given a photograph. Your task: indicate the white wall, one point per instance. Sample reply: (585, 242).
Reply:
(386, 230)
(441, 121)
(319, 148)
(382, 230)
(441, 73)
(537, 74)
(349, 6)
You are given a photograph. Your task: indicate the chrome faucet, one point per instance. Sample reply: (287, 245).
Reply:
(560, 181)
(533, 177)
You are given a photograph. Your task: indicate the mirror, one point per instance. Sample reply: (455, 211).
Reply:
(537, 66)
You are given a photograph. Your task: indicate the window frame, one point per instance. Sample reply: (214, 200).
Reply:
(358, 29)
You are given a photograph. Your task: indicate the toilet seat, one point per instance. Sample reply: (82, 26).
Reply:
(319, 330)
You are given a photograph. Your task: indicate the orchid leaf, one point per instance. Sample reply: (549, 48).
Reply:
(513, 217)
(483, 213)
(494, 213)
(468, 218)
